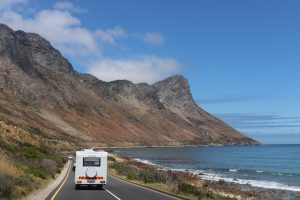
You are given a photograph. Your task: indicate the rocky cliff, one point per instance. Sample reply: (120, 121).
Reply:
(40, 90)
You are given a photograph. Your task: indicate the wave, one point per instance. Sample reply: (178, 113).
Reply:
(212, 176)
(254, 183)
(144, 161)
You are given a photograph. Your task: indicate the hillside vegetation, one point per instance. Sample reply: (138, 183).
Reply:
(27, 161)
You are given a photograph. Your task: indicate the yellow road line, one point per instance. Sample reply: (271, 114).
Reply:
(57, 191)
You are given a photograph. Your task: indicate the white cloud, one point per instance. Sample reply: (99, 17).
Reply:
(66, 33)
(110, 35)
(60, 27)
(152, 38)
(6, 4)
(144, 69)
(66, 5)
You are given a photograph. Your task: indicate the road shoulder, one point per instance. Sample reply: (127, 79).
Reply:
(43, 193)
(148, 188)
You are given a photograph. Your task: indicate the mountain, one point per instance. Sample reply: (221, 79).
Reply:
(41, 93)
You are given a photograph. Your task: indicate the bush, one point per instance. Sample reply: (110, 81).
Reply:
(33, 152)
(131, 174)
(209, 194)
(160, 177)
(6, 186)
(49, 166)
(9, 147)
(126, 170)
(199, 192)
(188, 188)
(23, 181)
(37, 171)
(111, 158)
(147, 176)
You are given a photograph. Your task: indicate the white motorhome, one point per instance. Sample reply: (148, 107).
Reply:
(91, 168)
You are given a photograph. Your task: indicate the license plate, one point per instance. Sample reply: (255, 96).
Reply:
(90, 181)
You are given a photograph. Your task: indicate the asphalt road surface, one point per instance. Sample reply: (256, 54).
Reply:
(116, 189)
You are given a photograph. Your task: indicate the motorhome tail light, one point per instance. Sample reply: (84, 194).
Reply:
(78, 182)
(91, 178)
(102, 181)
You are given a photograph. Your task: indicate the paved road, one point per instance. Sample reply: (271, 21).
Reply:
(116, 189)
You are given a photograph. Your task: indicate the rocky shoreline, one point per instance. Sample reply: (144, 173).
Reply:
(227, 190)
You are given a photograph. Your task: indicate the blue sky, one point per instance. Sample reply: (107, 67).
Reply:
(242, 58)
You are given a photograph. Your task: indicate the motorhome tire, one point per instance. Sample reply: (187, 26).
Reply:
(100, 187)
(77, 186)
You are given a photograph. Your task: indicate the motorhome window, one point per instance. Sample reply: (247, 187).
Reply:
(91, 161)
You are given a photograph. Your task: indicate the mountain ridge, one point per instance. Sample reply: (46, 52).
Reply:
(35, 78)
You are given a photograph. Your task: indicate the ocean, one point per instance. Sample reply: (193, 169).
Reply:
(267, 166)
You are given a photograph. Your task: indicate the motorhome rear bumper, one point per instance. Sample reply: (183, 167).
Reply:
(90, 182)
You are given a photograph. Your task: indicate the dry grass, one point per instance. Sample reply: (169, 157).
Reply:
(7, 167)
(12, 134)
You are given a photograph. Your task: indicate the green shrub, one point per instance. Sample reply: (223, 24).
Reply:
(111, 158)
(159, 177)
(147, 176)
(37, 171)
(208, 194)
(23, 181)
(9, 147)
(126, 170)
(132, 174)
(33, 152)
(189, 189)
(6, 186)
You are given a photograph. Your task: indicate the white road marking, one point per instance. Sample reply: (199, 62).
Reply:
(112, 194)
(146, 188)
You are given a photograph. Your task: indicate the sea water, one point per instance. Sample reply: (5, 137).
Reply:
(266, 166)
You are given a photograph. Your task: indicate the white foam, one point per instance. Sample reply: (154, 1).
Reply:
(254, 183)
(216, 177)
(144, 161)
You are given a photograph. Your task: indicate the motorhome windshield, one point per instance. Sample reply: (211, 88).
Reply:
(91, 161)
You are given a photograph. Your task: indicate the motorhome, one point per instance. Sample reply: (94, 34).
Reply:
(91, 168)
